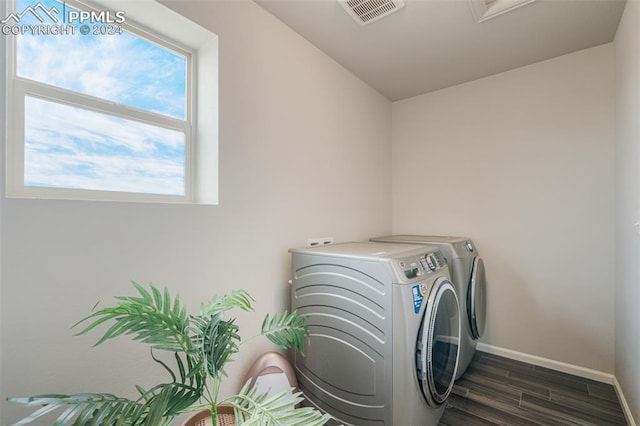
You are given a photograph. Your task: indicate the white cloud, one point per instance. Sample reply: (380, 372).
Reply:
(121, 68)
(74, 148)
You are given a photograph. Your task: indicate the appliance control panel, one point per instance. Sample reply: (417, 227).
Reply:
(422, 264)
(469, 246)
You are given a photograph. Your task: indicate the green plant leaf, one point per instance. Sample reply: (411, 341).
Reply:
(219, 304)
(252, 409)
(81, 408)
(286, 330)
(218, 340)
(151, 318)
(158, 406)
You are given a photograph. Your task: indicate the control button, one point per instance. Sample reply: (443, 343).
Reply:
(411, 273)
(431, 264)
(469, 246)
(423, 262)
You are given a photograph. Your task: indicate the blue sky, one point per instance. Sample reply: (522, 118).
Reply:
(70, 147)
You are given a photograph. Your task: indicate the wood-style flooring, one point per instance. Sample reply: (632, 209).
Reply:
(500, 391)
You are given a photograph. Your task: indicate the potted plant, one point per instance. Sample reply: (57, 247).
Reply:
(201, 346)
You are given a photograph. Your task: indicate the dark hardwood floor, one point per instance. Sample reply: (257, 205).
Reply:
(501, 391)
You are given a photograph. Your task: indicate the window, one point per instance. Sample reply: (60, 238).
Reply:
(100, 107)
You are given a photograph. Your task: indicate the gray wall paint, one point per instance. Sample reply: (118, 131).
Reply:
(522, 162)
(287, 114)
(304, 152)
(627, 193)
(3, 118)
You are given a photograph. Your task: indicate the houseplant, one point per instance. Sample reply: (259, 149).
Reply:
(201, 346)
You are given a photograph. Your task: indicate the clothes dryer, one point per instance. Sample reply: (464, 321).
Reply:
(384, 331)
(468, 276)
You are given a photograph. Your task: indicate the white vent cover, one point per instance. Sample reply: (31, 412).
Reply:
(367, 11)
(484, 10)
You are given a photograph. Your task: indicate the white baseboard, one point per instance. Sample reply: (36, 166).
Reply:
(564, 367)
(623, 402)
(576, 370)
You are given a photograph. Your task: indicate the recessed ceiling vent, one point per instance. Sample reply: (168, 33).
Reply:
(484, 10)
(367, 11)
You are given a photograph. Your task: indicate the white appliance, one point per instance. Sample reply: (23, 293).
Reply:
(385, 331)
(468, 276)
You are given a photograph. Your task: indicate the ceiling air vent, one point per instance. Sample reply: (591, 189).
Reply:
(484, 10)
(367, 11)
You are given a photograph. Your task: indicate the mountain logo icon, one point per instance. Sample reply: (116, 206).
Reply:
(38, 11)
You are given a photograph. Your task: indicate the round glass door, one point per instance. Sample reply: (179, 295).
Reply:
(476, 299)
(438, 346)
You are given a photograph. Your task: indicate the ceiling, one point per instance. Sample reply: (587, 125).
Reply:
(432, 44)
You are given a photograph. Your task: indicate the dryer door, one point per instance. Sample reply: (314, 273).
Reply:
(476, 299)
(438, 348)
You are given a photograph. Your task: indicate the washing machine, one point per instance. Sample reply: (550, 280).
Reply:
(468, 276)
(384, 331)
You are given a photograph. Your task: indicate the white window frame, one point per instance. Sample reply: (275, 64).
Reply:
(201, 184)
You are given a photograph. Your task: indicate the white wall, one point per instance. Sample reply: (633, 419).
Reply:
(627, 194)
(304, 151)
(522, 162)
(3, 118)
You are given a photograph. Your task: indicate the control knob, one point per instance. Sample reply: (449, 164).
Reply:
(431, 262)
